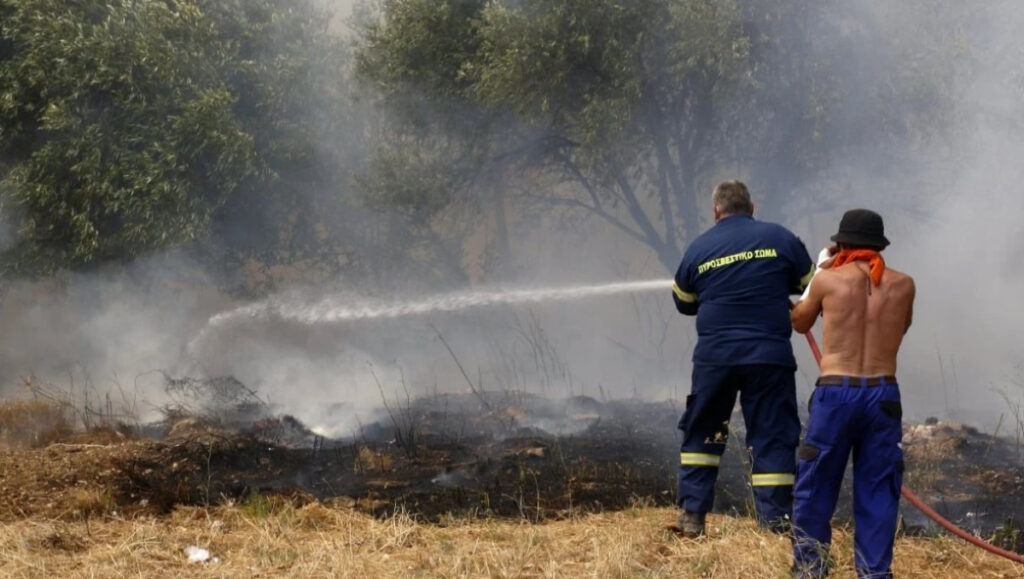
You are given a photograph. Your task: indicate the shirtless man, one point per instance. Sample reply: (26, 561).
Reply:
(855, 407)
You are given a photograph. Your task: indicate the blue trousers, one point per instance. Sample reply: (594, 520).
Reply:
(865, 421)
(768, 399)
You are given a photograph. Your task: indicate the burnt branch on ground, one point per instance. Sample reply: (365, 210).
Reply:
(222, 399)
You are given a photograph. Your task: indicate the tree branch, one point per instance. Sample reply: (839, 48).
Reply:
(668, 174)
(636, 211)
(600, 212)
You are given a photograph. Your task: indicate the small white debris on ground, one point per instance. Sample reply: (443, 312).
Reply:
(937, 431)
(199, 555)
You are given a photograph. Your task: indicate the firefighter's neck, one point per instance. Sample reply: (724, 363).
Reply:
(720, 215)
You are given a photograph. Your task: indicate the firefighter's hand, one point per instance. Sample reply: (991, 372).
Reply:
(825, 259)
(827, 256)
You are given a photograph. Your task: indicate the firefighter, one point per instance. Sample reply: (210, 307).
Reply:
(737, 278)
(855, 409)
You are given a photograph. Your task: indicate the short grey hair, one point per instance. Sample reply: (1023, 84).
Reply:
(732, 197)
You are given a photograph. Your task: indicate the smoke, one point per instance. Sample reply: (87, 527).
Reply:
(951, 199)
(952, 207)
(335, 372)
(104, 333)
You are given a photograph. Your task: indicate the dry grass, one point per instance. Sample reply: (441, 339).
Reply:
(271, 537)
(277, 540)
(32, 423)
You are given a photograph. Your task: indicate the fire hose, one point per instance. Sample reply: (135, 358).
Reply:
(928, 511)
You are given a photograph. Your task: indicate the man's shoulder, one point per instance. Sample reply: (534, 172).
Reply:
(837, 277)
(830, 276)
(776, 231)
(737, 231)
(788, 243)
(850, 273)
(702, 242)
(897, 273)
(896, 276)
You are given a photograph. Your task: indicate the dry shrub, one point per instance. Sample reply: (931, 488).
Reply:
(105, 435)
(191, 426)
(86, 503)
(368, 460)
(32, 423)
(63, 542)
(277, 504)
(316, 517)
(57, 537)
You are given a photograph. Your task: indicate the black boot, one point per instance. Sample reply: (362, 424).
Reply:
(691, 525)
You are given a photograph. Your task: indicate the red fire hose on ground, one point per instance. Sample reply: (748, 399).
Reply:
(931, 514)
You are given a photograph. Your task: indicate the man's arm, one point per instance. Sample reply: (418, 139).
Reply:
(807, 309)
(683, 293)
(803, 267)
(826, 257)
(910, 306)
(686, 302)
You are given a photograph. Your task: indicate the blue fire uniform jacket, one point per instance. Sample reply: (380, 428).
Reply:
(737, 278)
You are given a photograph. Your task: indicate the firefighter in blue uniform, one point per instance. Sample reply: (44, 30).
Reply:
(737, 278)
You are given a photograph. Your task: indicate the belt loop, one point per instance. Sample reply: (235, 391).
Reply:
(863, 381)
(881, 381)
(846, 381)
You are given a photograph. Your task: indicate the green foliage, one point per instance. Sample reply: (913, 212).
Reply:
(422, 208)
(406, 181)
(289, 75)
(128, 126)
(426, 180)
(422, 44)
(257, 506)
(594, 67)
(1008, 535)
(117, 140)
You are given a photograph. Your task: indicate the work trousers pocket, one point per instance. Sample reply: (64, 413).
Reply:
(684, 420)
(892, 408)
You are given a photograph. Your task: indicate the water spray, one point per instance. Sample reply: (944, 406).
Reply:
(344, 308)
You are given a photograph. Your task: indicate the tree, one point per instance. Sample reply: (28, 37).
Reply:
(290, 74)
(433, 170)
(621, 99)
(129, 126)
(636, 106)
(115, 140)
(634, 96)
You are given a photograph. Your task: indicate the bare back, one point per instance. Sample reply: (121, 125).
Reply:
(864, 324)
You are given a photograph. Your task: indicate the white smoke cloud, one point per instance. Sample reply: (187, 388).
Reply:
(952, 213)
(951, 208)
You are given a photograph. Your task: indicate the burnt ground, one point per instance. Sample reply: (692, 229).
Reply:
(505, 455)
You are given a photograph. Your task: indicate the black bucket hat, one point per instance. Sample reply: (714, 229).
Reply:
(861, 227)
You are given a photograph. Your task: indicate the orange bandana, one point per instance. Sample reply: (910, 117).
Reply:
(873, 257)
